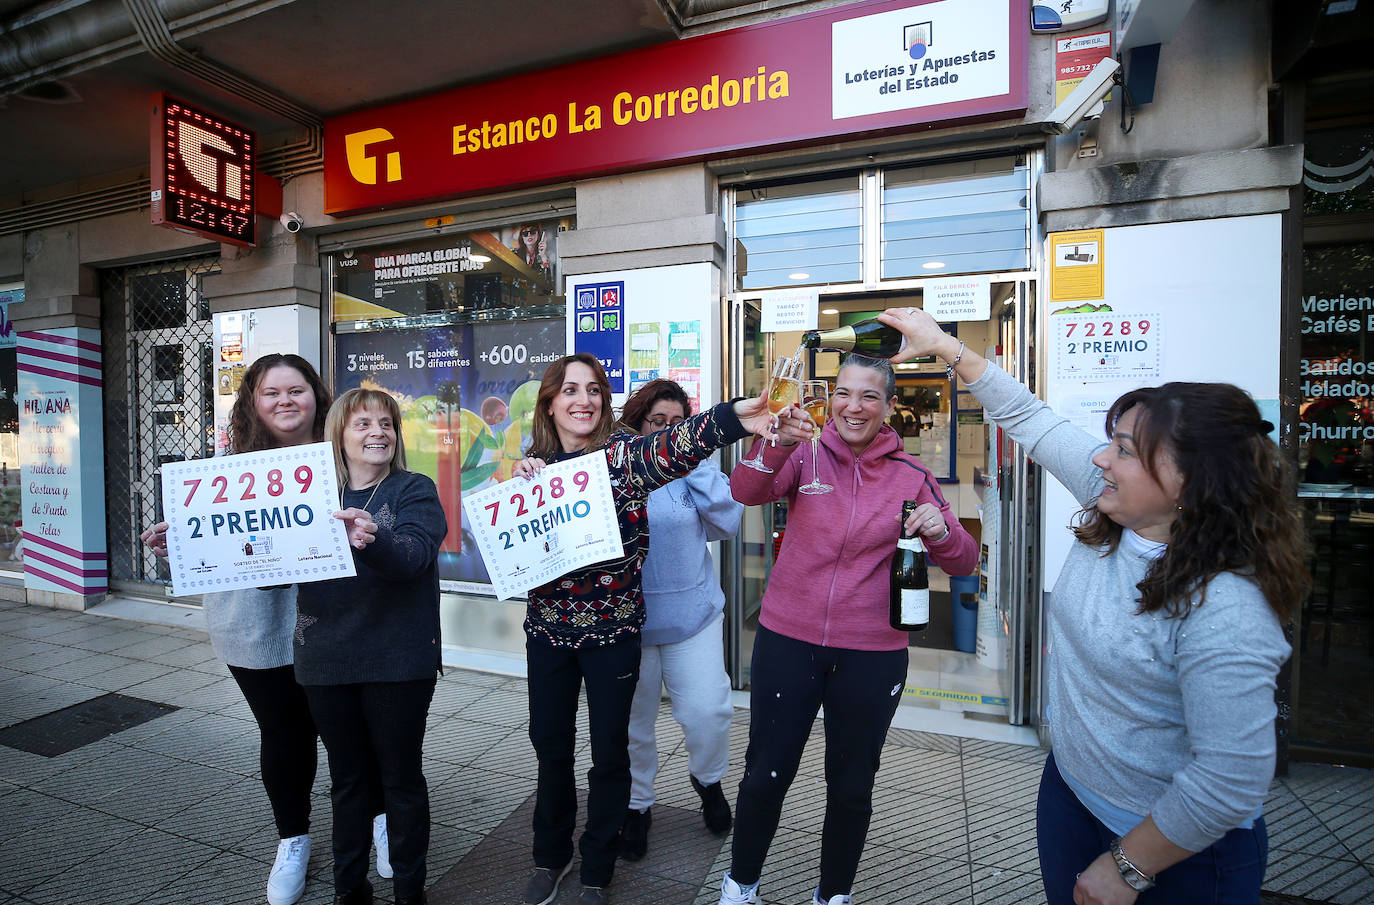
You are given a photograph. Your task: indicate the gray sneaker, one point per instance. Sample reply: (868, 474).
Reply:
(543, 885)
(593, 895)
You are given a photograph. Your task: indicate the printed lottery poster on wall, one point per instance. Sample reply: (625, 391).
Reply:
(467, 396)
(599, 327)
(1077, 273)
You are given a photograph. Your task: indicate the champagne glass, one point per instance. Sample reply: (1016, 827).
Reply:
(782, 392)
(815, 398)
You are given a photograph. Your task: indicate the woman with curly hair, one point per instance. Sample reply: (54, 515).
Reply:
(1165, 634)
(281, 402)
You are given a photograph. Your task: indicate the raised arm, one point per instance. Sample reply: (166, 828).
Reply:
(710, 490)
(1064, 450)
(407, 537)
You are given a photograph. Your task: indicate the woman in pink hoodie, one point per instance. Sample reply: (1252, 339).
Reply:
(824, 637)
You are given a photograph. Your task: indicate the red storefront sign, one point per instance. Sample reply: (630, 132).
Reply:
(861, 69)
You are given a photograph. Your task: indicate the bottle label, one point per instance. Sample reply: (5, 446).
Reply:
(915, 606)
(910, 543)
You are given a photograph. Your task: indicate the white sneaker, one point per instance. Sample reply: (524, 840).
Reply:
(833, 900)
(731, 893)
(383, 846)
(286, 882)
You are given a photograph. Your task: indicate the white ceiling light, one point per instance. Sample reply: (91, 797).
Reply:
(830, 311)
(480, 259)
(799, 276)
(933, 265)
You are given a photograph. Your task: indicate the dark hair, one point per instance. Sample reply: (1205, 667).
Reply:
(247, 433)
(544, 442)
(881, 365)
(1235, 505)
(638, 406)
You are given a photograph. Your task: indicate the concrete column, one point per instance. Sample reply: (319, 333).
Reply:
(650, 219)
(61, 424)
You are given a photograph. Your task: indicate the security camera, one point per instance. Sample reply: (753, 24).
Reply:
(1085, 100)
(292, 221)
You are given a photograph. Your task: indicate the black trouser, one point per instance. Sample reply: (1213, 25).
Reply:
(789, 681)
(287, 750)
(555, 676)
(371, 728)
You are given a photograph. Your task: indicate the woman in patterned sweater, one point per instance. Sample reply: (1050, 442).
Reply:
(584, 626)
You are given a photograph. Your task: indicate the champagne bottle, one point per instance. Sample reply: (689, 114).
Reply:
(869, 337)
(909, 598)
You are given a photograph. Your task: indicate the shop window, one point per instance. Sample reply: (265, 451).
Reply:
(1338, 172)
(459, 274)
(458, 328)
(968, 217)
(799, 234)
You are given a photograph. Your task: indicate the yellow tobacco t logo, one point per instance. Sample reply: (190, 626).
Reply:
(362, 165)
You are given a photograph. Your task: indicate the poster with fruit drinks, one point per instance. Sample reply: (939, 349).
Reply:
(467, 395)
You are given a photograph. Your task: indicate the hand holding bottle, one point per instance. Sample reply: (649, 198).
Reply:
(928, 521)
(925, 337)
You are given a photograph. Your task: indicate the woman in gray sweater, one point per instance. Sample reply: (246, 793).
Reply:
(681, 644)
(1165, 634)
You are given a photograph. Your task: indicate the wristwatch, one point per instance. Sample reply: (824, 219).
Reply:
(1135, 878)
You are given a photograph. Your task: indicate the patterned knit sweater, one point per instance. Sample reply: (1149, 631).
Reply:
(604, 603)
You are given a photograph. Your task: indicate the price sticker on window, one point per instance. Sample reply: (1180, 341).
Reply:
(254, 519)
(532, 531)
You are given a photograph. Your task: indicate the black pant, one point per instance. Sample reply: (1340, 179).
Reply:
(287, 753)
(370, 729)
(555, 676)
(789, 681)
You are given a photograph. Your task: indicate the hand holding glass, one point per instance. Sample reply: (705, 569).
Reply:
(815, 398)
(782, 392)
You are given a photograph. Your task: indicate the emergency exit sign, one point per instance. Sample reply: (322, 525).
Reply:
(203, 180)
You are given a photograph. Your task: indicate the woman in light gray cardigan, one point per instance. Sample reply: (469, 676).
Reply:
(1165, 634)
(681, 644)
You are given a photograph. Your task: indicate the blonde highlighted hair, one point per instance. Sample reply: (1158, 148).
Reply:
(337, 422)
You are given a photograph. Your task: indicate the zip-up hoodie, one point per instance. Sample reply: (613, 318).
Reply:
(830, 583)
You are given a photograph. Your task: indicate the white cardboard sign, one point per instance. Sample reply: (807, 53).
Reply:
(532, 531)
(254, 519)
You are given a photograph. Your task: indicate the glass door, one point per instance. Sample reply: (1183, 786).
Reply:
(975, 660)
(747, 557)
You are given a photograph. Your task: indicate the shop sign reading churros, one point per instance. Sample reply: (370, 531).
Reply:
(869, 67)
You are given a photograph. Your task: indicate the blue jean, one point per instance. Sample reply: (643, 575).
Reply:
(1229, 872)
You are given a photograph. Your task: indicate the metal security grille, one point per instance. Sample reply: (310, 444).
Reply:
(159, 407)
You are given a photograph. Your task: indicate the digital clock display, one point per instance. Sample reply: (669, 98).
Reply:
(202, 173)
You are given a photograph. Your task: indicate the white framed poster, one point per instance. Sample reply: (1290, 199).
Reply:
(254, 519)
(531, 531)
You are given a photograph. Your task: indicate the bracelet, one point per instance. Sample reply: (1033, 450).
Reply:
(1135, 878)
(949, 368)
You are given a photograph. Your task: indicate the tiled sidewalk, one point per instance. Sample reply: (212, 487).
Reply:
(171, 811)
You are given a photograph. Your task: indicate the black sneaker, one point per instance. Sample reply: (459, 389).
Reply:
(634, 834)
(543, 885)
(715, 810)
(593, 895)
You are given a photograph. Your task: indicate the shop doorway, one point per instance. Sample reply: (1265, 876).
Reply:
(975, 660)
(158, 405)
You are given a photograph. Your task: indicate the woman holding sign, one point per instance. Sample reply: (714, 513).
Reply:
(281, 402)
(367, 647)
(584, 626)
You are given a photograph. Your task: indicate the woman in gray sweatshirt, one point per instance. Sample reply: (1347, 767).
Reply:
(682, 647)
(1165, 634)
